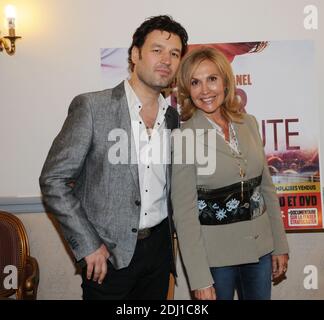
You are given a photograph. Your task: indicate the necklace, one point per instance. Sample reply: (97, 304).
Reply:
(237, 155)
(234, 149)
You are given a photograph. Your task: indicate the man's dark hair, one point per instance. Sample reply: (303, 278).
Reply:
(163, 23)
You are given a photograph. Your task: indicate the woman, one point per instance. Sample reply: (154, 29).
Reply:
(228, 221)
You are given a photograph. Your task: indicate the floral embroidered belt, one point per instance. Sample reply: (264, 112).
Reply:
(240, 201)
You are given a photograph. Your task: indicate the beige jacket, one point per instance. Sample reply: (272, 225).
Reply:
(204, 246)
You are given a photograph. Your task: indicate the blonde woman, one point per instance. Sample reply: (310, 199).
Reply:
(228, 221)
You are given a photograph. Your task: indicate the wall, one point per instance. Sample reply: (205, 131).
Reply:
(58, 58)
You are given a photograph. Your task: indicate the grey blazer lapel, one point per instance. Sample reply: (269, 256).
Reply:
(119, 100)
(171, 122)
(202, 123)
(242, 135)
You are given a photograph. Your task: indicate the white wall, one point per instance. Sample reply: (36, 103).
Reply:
(58, 58)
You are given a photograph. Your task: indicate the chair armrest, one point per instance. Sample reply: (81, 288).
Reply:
(31, 279)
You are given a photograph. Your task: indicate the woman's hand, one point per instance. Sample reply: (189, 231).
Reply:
(279, 265)
(205, 294)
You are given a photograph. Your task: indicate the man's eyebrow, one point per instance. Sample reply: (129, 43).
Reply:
(154, 44)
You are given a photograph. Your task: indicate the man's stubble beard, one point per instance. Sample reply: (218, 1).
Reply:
(156, 85)
(150, 82)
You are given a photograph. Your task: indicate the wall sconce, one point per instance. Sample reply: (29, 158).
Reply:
(8, 42)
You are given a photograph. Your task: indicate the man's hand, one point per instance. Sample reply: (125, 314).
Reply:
(97, 264)
(279, 265)
(205, 294)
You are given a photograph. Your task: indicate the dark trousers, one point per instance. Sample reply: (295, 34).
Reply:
(146, 277)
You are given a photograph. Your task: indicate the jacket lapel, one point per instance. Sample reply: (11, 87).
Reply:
(202, 123)
(242, 136)
(119, 100)
(171, 122)
(241, 130)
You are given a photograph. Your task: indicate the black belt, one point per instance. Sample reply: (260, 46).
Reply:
(146, 232)
(240, 201)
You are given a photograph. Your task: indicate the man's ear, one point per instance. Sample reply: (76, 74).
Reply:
(135, 55)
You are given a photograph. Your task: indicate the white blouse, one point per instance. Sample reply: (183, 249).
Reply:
(233, 142)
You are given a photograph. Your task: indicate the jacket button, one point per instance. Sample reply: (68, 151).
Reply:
(134, 230)
(137, 202)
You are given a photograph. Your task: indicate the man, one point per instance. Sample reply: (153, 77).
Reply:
(116, 216)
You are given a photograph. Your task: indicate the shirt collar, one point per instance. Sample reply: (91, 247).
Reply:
(135, 104)
(132, 99)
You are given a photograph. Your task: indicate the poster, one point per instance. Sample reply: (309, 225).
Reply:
(276, 83)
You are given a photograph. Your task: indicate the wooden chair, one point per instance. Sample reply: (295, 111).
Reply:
(14, 256)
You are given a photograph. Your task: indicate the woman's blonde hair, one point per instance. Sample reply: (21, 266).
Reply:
(230, 106)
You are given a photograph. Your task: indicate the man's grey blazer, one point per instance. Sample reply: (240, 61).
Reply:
(95, 201)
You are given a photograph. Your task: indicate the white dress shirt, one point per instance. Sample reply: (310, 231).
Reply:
(153, 153)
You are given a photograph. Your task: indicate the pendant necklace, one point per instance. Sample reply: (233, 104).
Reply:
(237, 154)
